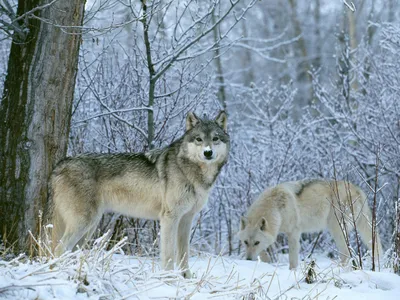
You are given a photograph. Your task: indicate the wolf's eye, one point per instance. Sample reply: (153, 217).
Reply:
(256, 243)
(246, 243)
(199, 139)
(215, 139)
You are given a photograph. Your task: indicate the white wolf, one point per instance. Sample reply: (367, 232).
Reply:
(170, 184)
(306, 206)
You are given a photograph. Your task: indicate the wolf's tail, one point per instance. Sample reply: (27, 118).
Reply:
(364, 226)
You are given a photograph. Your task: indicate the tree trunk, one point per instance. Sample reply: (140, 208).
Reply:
(352, 32)
(220, 75)
(392, 7)
(318, 41)
(35, 111)
(396, 250)
(152, 78)
(303, 65)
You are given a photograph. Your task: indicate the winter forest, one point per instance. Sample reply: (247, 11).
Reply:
(311, 90)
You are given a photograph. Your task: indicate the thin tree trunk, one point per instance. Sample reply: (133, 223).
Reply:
(396, 263)
(35, 111)
(371, 30)
(392, 6)
(318, 42)
(153, 79)
(304, 66)
(248, 61)
(220, 74)
(351, 23)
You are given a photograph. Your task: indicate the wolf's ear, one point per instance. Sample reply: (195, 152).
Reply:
(263, 224)
(191, 120)
(222, 120)
(243, 222)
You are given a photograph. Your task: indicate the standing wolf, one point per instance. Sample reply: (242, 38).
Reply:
(170, 185)
(306, 206)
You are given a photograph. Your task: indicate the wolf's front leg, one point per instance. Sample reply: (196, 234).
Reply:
(294, 248)
(169, 230)
(265, 257)
(184, 228)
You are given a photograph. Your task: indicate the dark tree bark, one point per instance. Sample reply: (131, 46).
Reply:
(35, 111)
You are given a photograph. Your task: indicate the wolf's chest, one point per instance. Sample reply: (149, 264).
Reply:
(209, 174)
(199, 198)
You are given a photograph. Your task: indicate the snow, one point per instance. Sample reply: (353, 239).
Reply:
(109, 274)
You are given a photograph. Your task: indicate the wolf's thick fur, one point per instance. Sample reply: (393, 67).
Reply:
(305, 206)
(170, 185)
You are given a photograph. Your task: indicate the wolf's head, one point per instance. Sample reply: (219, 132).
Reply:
(255, 237)
(207, 141)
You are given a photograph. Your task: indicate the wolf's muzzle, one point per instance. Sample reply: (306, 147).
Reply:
(208, 154)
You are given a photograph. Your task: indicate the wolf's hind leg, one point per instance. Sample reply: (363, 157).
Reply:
(73, 233)
(184, 228)
(364, 228)
(294, 248)
(338, 236)
(88, 235)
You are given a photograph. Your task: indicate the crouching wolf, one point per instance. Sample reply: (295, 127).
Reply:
(170, 185)
(306, 206)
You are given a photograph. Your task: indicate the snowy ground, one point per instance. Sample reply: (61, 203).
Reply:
(101, 274)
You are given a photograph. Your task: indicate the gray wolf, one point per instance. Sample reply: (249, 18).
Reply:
(306, 206)
(170, 184)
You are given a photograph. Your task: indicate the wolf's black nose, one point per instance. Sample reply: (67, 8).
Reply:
(249, 258)
(208, 154)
